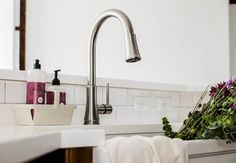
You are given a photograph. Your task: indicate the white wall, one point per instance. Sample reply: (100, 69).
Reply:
(7, 34)
(232, 40)
(181, 42)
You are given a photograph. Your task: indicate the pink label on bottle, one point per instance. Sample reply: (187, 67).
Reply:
(35, 93)
(50, 98)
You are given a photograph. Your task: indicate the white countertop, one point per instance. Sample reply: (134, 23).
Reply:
(21, 143)
(27, 142)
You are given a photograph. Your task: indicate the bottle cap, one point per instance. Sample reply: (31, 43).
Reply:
(56, 81)
(36, 64)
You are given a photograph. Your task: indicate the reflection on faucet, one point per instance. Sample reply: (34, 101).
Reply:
(132, 55)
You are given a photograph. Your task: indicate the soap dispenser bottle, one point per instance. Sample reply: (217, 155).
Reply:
(56, 94)
(35, 85)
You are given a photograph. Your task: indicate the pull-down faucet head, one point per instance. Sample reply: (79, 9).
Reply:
(132, 52)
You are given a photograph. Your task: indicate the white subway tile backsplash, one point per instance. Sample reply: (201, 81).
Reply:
(108, 118)
(127, 115)
(130, 106)
(70, 93)
(78, 115)
(175, 99)
(186, 99)
(150, 116)
(134, 94)
(184, 114)
(160, 94)
(197, 96)
(163, 103)
(171, 114)
(118, 96)
(80, 95)
(15, 92)
(141, 104)
(138, 93)
(2, 92)
(100, 98)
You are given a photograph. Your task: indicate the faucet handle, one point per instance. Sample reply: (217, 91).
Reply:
(105, 108)
(107, 94)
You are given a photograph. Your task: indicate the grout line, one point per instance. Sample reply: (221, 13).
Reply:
(5, 87)
(73, 98)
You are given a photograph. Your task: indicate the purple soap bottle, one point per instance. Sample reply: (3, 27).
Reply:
(35, 85)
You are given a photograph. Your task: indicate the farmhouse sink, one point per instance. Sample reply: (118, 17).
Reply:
(205, 151)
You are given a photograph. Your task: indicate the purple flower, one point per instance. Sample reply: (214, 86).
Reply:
(213, 91)
(234, 106)
(221, 85)
(229, 84)
(233, 78)
(234, 93)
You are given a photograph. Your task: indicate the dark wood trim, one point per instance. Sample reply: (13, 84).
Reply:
(21, 29)
(68, 155)
(232, 1)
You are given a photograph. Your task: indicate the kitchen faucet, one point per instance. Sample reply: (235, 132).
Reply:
(132, 55)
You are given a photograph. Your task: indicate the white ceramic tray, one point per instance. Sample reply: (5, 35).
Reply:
(43, 114)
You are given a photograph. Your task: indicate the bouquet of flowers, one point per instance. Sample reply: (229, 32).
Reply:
(214, 120)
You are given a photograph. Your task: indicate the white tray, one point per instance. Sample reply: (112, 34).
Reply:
(43, 114)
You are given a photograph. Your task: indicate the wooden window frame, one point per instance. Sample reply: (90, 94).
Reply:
(21, 29)
(232, 1)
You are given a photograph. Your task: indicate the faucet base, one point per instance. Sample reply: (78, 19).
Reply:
(91, 112)
(91, 122)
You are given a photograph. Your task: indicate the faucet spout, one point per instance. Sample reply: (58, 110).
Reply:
(132, 55)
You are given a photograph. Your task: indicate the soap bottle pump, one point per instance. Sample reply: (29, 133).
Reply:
(56, 81)
(56, 94)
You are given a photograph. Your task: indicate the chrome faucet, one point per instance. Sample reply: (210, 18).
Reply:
(132, 55)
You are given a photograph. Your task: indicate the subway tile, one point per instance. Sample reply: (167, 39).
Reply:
(15, 92)
(137, 92)
(171, 114)
(141, 104)
(80, 95)
(108, 119)
(163, 103)
(134, 93)
(186, 99)
(184, 113)
(118, 96)
(70, 93)
(160, 94)
(175, 99)
(151, 116)
(197, 96)
(78, 115)
(100, 99)
(2, 92)
(127, 115)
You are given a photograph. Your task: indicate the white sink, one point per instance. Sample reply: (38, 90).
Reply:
(205, 151)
